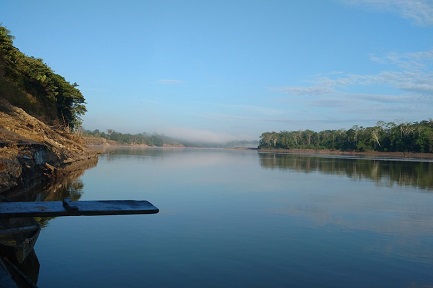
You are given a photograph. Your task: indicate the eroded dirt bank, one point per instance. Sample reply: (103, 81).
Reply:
(32, 153)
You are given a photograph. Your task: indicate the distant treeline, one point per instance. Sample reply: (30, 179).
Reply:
(158, 140)
(132, 139)
(384, 137)
(29, 83)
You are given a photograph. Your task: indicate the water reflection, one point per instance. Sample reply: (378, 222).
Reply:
(383, 172)
(71, 186)
(67, 186)
(116, 152)
(230, 221)
(24, 274)
(400, 224)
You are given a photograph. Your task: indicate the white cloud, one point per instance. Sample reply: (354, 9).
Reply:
(407, 72)
(419, 11)
(416, 82)
(391, 98)
(362, 103)
(414, 61)
(404, 88)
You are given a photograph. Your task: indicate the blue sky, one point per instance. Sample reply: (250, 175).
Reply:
(222, 70)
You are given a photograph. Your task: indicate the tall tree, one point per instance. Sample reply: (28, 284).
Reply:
(30, 84)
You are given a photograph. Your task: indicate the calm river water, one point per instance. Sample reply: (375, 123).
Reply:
(232, 218)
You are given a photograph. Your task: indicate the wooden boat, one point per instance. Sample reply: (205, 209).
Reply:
(19, 231)
(18, 237)
(75, 208)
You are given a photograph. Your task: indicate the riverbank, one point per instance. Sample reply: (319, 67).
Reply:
(33, 153)
(368, 154)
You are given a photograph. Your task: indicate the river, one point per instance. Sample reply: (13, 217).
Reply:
(239, 218)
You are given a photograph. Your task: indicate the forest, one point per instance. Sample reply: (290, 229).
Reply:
(31, 85)
(155, 140)
(383, 137)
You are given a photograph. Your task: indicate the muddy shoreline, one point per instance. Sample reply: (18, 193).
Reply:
(25, 168)
(33, 153)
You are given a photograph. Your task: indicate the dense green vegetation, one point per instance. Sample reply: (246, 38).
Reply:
(132, 139)
(384, 137)
(28, 83)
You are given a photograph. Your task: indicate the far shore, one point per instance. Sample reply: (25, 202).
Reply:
(367, 154)
(321, 152)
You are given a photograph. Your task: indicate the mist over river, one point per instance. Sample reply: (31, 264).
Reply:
(240, 218)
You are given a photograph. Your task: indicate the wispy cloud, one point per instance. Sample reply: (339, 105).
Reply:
(414, 61)
(404, 87)
(419, 11)
(369, 103)
(408, 72)
(380, 98)
(170, 81)
(417, 82)
(309, 123)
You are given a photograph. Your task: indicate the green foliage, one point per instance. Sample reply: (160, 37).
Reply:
(384, 137)
(30, 84)
(155, 140)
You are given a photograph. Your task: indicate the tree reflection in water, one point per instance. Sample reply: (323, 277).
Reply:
(386, 172)
(68, 186)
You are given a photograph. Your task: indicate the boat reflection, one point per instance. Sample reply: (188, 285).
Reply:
(24, 274)
(18, 235)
